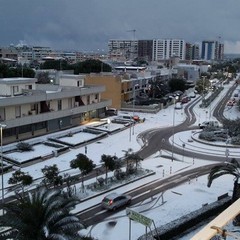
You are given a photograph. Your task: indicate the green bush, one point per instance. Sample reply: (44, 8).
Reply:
(235, 140)
(25, 147)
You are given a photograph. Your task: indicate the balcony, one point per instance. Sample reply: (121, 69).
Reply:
(35, 118)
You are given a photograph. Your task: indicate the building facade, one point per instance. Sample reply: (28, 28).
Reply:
(30, 109)
(164, 49)
(145, 50)
(122, 50)
(121, 88)
(212, 50)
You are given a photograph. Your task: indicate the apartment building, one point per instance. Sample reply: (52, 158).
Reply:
(29, 109)
(212, 50)
(164, 49)
(9, 53)
(192, 51)
(145, 50)
(121, 88)
(122, 50)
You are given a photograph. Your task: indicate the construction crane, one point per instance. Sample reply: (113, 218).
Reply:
(133, 31)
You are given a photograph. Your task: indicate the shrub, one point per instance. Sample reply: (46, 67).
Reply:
(25, 147)
(213, 136)
(236, 140)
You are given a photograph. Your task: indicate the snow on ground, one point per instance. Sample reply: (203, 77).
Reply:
(178, 201)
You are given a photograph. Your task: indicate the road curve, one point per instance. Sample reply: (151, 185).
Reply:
(153, 139)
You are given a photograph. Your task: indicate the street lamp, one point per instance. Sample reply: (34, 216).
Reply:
(134, 94)
(1, 136)
(183, 145)
(174, 102)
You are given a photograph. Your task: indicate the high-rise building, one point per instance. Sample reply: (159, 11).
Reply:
(122, 49)
(212, 50)
(145, 50)
(164, 49)
(192, 51)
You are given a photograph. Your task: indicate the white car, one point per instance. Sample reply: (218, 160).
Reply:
(178, 105)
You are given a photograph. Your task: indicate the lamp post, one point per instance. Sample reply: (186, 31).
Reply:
(173, 126)
(183, 145)
(134, 94)
(203, 89)
(1, 136)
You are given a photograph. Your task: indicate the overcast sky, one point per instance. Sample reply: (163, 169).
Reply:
(89, 24)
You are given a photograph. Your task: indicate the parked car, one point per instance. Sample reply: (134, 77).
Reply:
(135, 118)
(111, 112)
(192, 95)
(230, 103)
(114, 200)
(185, 99)
(178, 105)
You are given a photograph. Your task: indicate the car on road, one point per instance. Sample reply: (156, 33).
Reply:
(114, 200)
(230, 103)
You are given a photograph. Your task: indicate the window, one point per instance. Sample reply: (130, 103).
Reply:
(17, 111)
(28, 86)
(15, 89)
(59, 104)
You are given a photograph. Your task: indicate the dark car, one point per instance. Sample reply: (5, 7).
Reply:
(113, 201)
(111, 112)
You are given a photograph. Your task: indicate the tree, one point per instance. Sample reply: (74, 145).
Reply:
(25, 147)
(60, 64)
(19, 177)
(51, 175)
(177, 85)
(131, 156)
(41, 215)
(232, 168)
(84, 164)
(109, 163)
(202, 84)
(43, 77)
(233, 126)
(91, 65)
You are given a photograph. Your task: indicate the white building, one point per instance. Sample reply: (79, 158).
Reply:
(30, 109)
(164, 49)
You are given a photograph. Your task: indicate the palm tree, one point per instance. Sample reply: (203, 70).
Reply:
(41, 215)
(109, 162)
(232, 168)
(131, 156)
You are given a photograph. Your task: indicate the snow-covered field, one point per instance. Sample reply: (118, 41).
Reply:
(177, 202)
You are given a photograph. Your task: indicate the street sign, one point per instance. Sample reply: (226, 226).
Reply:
(137, 217)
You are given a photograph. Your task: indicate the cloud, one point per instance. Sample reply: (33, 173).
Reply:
(88, 25)
(232, 47)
